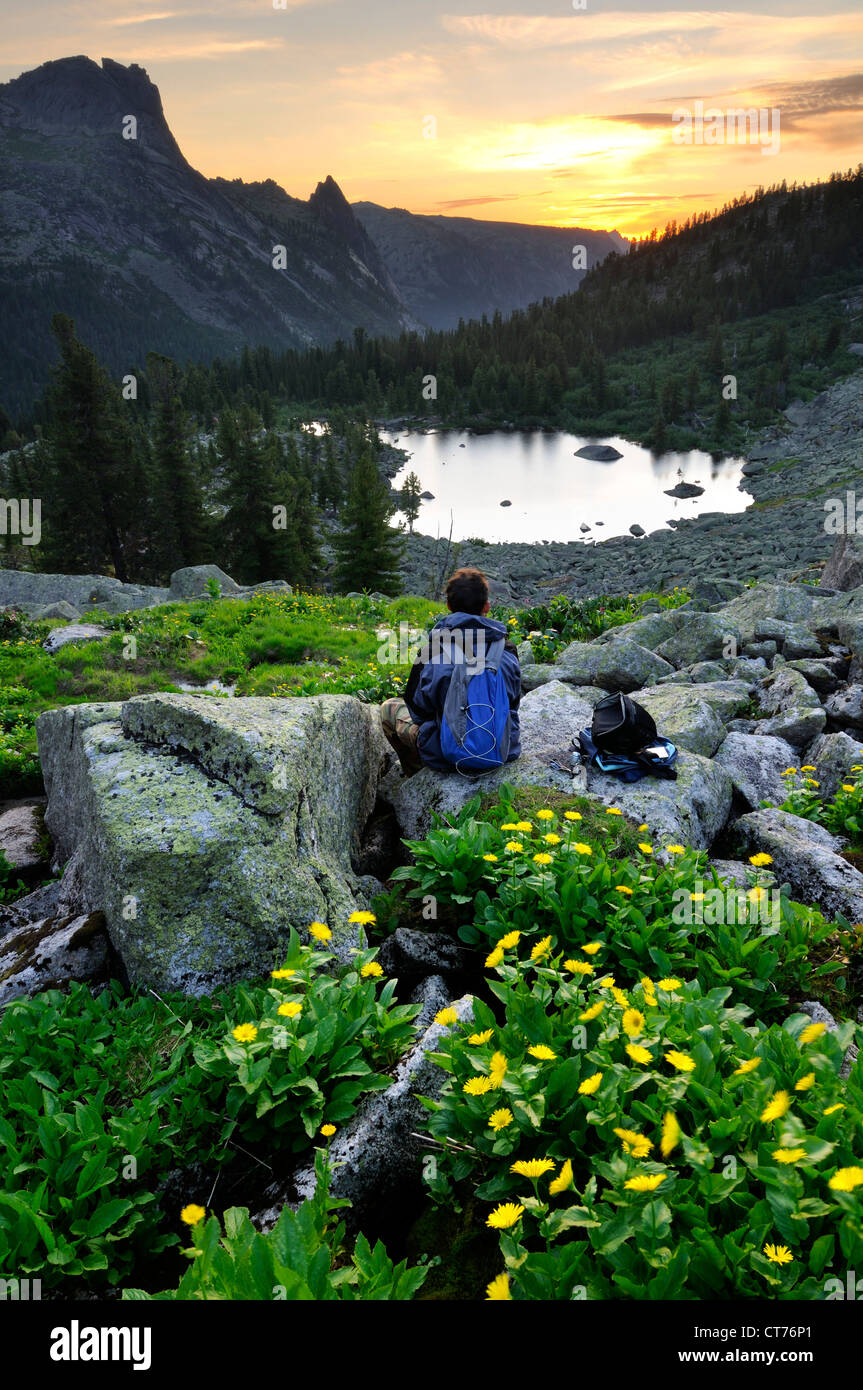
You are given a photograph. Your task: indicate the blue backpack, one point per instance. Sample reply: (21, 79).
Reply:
(476, 719)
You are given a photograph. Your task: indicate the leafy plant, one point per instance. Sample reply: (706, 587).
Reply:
(304, 1048)
(302, 1258)
(649, 1142)
(841, 814)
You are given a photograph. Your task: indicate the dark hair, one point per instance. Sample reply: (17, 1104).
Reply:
(467, 591)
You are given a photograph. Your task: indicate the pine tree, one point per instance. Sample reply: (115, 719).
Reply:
(181, 537)
(367, 548)
(411, 500)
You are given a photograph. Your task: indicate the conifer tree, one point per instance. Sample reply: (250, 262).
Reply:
(411, 500)
(368, 549)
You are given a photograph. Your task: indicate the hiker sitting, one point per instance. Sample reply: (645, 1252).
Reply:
(460, 706)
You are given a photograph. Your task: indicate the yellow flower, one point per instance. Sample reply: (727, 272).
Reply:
(498, 1290)
(761, 860)
(497, 1069)
(593, 1012)
(290, 1010)
(572, 815)
(578, 967)
(582, 849)
(777, 1107)
(478, 1086)
(639, 1053)
(371, 968)
(490, 858)
(511, 939)
(542, 859)
(831, 1109)
(758, 894)
(697, 897)
(192, 1214)
(805, 1082)
(607, 982)
(813, 1031)
(479, 1038)
(612, 811)
(545, 814)
(747, 1066)
(505, 1215)
(495, 958)
(531, 1167)
(789, 772)
(320, 931)
(810, 782)
(524, 825)
(590, 948)
(857, 767)
(245, 1032)
(788, 1155)
(808, 767)
(646, 849)
(514, 846)
(620, 997)
(551, 839)
(848, 787)
(328, 1131)
(509, 825)
(645, 1182)
(681, 1060)
(633, 1023)
(446, 1017)
(499, 1119)
(541, 948)
(670, 985)
(846, 1179)
(675, 849)
(670, 1133)
(364, 919)
(778, 1254)
(622, 888)
(634, 1143)
(590, 1085)
(282, 974)
(562, 1181)
(643, 827)
(542, 1053)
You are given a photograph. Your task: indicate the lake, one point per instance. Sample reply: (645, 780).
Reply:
(552, 492)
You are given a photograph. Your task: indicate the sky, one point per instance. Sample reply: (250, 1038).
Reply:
(519, 110)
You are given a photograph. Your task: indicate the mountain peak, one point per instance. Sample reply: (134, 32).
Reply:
(78, 94)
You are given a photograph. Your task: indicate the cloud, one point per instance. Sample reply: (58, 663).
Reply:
(489, 198)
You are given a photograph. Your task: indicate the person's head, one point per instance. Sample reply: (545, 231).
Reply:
(467, 592)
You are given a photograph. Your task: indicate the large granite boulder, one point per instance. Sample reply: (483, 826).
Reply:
(614, 665)
(791, 603)
(34, 592)
(833, 756)
(204, 829)
(700, 637)
(756, 763)
(806, 857)
(46, 955)
(690, 811)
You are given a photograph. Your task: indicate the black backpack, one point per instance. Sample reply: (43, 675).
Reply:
(616, 743)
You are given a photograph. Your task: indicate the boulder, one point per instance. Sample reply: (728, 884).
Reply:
(48, 954)
(755, 763)
(684, 490)
(618, 664)
(797, 713)
(410, 953)
(699, 637)
(32, 592)
(833, 756)
(61, 610)
(805, 857)
(733, 871)
(204, 829)
(727, 698)
(75, 632)
(845, 709)
(22, 836)
(707, 593)
(599, 453)
(525, 654)
(690, 811)
(684, 717)
(844, 567)
(648, 631)
(191, 582)
(821, 676)
(793, 603)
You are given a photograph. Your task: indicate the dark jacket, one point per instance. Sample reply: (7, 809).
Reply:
(429, 681)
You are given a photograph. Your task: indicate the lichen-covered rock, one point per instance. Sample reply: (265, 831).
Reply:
(48, 954)
(822, 677)
(700, 637)
(22, 837)
(690, 811)
(205, 829)
(845, 709)
(797, 714)
(74, 632)
(755, 763)
(682, 715)
(614, 665)
(833, 756)
(806, 857)
(790, 603)
(191, 582)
